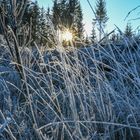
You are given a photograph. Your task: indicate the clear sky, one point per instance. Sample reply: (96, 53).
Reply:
(116, 10)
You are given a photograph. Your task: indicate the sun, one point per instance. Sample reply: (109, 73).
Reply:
(67, 36)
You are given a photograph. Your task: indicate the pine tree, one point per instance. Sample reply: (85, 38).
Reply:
(128, 30)
(61, 14)
(48, 12)
(42, 26)
(67, 14)
(49, 32)
(34, 17)
(87, 41)
(101, 15)
(71, 10)
(27, 14)
(80, 29)
(93, 34)
(63, 7)
(56, 14)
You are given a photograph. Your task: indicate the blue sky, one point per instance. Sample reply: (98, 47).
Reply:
(116, 10)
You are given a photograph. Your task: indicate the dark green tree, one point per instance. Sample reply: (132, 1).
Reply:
(70, 11)
(79, 22)
(42, 26)
(67, 14)
(56, 14)
(87, 41)
(31, 17)
(93, 34)
(50, 35)
(27, 14)
(34, 17)
(128, 30)
(101, 16)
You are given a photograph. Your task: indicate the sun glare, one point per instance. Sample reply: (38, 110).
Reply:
(67, 35)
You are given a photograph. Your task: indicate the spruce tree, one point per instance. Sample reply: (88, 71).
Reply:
(80, 29)
(128, 30)
(67, 14)
(63, 7)
(101, 16)
(71, 10)
(50, 40)
(27, 14)
(56, 14)
(93, 34)
(42, 26)
(87, 41)
(34, 17)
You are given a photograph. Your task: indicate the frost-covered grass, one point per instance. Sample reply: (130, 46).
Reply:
(88, 93)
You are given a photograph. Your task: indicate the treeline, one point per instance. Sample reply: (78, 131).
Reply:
(33, 23)
(100, 22)
(65, 14)
(41, 25)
